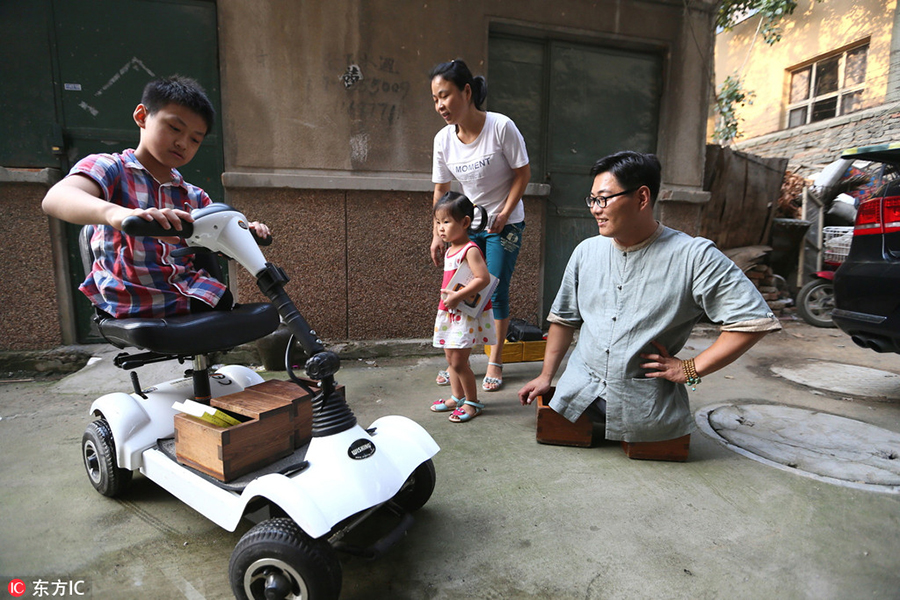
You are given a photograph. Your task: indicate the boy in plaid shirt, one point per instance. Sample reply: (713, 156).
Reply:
(138, 276)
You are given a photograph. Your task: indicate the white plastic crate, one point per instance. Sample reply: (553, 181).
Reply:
(836, 243)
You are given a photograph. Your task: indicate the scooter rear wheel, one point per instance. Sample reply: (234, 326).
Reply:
(276, 559)
(815, 303)
(99, 454)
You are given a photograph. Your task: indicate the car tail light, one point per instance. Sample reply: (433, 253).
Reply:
(891, 212)
(868, 217)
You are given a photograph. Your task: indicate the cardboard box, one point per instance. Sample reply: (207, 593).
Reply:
(276, 414)
(553, 428)
(674, 450)
(521, 351)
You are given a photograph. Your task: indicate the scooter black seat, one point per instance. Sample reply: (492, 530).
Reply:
(193, 334)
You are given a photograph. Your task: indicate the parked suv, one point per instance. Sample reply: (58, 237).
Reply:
(867, 284)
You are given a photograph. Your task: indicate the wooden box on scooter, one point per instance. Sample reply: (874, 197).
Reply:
(277, 419)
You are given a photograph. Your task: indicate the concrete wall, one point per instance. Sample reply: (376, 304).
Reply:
(328, 126)
(815, 29)
(291, 100)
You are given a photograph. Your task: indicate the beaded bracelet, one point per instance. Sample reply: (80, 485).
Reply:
(690, 373)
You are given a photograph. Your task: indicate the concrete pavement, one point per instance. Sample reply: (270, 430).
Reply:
(509, 518)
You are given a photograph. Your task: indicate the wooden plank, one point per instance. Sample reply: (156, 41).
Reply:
(744, 191)
(252, 404)
(278, 387)
(778, 168)
(714, 181)
(735, 187)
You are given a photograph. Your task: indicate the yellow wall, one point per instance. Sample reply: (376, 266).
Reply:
(815, 29)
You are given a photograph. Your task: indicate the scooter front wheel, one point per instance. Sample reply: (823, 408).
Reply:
(276, 559)
(815, 303)
(418, 488)
(99, 453)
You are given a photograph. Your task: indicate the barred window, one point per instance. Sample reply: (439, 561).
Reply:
(829, 87)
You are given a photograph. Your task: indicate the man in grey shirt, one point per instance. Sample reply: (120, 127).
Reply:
(635, 292)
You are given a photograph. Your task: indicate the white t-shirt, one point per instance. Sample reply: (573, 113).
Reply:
(484, 168)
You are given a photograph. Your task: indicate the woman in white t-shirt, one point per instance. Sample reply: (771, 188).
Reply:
(485, 152)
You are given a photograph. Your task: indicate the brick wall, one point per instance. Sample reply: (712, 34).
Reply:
(811, 147)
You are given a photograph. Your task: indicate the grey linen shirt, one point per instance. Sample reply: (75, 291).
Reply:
(622, 299)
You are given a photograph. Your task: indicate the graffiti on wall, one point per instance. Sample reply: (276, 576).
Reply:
(351, 76)
(380, 89)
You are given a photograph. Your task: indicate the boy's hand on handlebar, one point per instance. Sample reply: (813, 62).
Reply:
(168, 218)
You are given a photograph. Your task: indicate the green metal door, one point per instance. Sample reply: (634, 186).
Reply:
(105, 53)
(587, 101)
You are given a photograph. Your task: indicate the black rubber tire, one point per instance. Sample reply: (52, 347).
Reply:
(418, 488)
(815, 303)
(309, 568)
(98, 451)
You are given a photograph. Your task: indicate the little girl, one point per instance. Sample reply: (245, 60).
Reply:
(455, 331)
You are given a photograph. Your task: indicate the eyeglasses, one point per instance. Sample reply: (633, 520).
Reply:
(602, 201)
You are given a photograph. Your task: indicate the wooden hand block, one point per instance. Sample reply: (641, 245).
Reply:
(553, 428)
(674, 450)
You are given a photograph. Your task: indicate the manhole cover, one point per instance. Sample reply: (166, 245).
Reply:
(841, 378)
(809, 443)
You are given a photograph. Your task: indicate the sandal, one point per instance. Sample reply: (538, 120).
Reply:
(492, 384)
(461, 416)
(443, 378)
(441, 405)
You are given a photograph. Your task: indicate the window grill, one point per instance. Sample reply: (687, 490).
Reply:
(829, 87)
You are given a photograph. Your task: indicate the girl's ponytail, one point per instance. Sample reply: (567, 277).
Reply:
(459, 207)
(479, 225)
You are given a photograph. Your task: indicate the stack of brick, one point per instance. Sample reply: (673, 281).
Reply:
(766, 281)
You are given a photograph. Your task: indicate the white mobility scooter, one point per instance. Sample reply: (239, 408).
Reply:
(316, 491)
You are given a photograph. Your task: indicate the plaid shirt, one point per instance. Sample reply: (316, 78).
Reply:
(138, 276)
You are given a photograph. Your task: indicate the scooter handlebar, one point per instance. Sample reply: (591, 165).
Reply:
(135, 226)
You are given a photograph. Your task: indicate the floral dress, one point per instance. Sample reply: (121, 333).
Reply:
(457, 329)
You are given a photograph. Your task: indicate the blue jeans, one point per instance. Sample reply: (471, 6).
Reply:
(501, 250)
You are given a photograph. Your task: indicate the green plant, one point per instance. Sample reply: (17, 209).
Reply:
(730, 97)
(770, 12)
